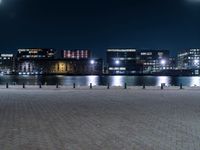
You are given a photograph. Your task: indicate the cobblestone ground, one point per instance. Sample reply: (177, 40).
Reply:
(99, 119)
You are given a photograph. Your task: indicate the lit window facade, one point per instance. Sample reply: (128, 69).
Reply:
(7, 63)
(35, 53)
(76, 54)
(122, 61)
(59, 66)
(189, 59)
(154, 60)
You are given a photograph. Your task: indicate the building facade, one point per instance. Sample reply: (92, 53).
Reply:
(122, 61)
(154, 60)
(59, 66)
(35, 53)
(7, 63)
(189, 59)
(76, 54)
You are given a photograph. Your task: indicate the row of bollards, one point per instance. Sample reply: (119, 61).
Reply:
(91, 86)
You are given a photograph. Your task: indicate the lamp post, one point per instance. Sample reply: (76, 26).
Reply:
(92, 63)
(117, 63)
(163, 63)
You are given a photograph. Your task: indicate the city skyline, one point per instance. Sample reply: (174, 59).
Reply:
(36, 61)
(100, 25)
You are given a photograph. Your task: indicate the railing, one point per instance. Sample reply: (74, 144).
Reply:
(91, 86)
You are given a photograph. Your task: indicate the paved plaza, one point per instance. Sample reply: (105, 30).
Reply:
(99, 119)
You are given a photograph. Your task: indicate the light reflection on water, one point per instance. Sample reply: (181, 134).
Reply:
(163, 79)
(101, 80)
(92, 79)
(117, 81)
(194, 81)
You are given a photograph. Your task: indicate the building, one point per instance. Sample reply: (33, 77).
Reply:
(76, 54)
(7, 63)
(122, 61)
(189, 60)
(154, 60)
(35, 53)
(60, 66)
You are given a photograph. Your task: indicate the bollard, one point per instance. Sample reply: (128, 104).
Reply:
(144, 87)
(90, 85)
(57, 85)
(161, 86)
(40, 85)
(181, 86)
(7, 85)
(23, 86)
(125, 86)
(74, 85)
(108, 86)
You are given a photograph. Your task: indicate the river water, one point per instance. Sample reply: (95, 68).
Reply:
(100, 80)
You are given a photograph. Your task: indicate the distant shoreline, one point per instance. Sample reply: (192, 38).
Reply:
(102, 75)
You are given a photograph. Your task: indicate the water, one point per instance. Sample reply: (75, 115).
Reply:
(100, 80)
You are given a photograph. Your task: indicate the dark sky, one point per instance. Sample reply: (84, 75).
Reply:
(99, 24)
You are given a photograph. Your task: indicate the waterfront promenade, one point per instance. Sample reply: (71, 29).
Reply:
(99, 119)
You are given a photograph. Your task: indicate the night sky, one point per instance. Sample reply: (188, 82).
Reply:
(99, 24)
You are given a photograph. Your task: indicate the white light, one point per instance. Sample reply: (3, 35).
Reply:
(196, 61)
(92, 62)
(0, 1)
(163, 62)
(117, 62)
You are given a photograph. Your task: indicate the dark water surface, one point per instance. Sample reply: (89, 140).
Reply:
(100, 80)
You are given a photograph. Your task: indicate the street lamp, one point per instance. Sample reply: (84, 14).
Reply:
(163, 62)
(92, 62)
(117, 62)
(92, 66)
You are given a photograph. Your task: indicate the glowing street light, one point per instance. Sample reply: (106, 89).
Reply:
(92, 62)
(117, 62)
(163, 62)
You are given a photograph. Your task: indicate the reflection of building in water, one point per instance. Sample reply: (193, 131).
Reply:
(59, 66)
(7, 64)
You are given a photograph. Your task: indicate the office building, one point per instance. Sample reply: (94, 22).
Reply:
(7, 63)
(35, 53)
(189, 59)
(76, 54)
(122, 61)
(60, 66)
(154, 60)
